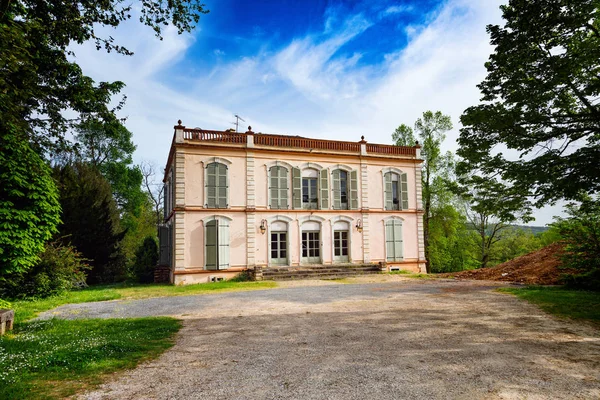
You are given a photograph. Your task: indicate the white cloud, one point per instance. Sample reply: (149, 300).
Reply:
(392, 10)
(306, 87)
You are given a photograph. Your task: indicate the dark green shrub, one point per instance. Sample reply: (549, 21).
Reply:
(61, 268)
(243, 276)
(146, 258)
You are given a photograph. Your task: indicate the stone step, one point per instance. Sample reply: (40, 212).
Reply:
(344, 267)
(320, 269)
(325, 271)
(292, 275)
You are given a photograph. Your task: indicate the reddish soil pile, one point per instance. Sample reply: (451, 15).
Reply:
(536, 268)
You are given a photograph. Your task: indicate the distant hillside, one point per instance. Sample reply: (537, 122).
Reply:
(536, 230)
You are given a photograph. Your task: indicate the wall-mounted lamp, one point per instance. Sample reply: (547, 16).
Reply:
(263, 226)
(359, 226)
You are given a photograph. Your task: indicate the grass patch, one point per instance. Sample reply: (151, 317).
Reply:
(137, 291)
(28, 309)
(410, 274)
(562, 302)
(57, 358)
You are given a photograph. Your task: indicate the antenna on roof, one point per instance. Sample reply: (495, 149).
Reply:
(237, 122)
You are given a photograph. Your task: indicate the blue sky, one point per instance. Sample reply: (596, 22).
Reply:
(325, 69)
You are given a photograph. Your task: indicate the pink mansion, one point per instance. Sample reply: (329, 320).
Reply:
(237, 201)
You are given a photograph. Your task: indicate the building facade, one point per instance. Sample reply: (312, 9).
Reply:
(235, 201)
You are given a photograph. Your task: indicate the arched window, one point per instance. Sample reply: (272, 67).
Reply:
(278, 187)
(396, 190)
(311, 239)
(344, 185)
(217, 189)
(310, 187)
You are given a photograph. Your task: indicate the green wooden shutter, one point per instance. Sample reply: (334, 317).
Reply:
(336, 187)
(296, 188)
(398, 254)
(354, 190)
(389, 241)
(163, 237)
(404, 191)
(273, 187)
(283, 188)
(324, 188)
(223, 244)
(211, 185)
(222, 186)
(389, 205)
(211, 245)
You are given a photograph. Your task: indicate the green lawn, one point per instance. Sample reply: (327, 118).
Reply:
(57, 358)
(565, 303)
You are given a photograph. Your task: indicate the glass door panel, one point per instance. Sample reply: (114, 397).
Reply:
(311, 247)
(340, 246)
(279, 248)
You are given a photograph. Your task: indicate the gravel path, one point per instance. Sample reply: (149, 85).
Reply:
(388, 340)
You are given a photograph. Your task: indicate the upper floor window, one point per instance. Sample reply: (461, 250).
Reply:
(345, 189)
(278, 187)
(310, 188)
(217, 189)
(396, 191)
(310, 195)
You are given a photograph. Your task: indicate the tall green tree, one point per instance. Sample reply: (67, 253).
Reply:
(404, 136)
(90, 220)
(109, 148)
(540, 100)
(43, 93)
(491, 207)
(29, 206)
(431, 129)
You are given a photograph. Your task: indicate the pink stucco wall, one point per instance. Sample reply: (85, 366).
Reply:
(196, 159)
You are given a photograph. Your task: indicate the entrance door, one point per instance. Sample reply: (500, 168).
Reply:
(311, 247)
(279, 248)
(340, 246)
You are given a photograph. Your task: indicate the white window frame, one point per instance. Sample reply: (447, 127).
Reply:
(302, 221)
(399, 172)
(288, 221)
(205, 164)
(350, 222)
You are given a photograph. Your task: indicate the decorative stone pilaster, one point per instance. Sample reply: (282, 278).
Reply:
(250, 215)
(179, 243)
(364, 201)
(366, 240)
(179, 178)
(179, 222)
(419, 207)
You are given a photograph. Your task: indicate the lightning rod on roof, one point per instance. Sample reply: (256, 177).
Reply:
(237, 122)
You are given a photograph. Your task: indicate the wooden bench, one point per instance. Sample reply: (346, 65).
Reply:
(6, 320)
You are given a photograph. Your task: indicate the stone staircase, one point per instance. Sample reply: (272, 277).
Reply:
(318, 271)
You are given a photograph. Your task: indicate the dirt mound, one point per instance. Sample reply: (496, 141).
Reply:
(536, 268)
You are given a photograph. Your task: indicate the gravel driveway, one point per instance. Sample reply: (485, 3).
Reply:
(403, 339)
